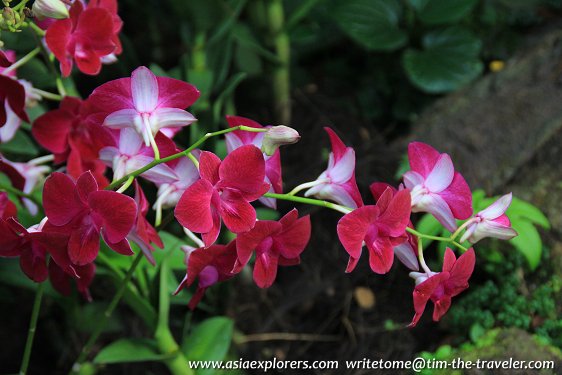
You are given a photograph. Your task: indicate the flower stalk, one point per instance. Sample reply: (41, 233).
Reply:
(32, 328)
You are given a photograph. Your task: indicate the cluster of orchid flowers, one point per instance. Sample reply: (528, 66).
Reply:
(129, 125)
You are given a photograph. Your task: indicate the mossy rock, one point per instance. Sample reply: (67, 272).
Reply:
(503, 344)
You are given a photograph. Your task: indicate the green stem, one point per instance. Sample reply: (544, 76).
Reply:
(48, 95)
(315, 202)
(39, 31)
(22, 61)
(420, 256)
(20, 6)
(13, 190)
(32, 327)
(107, 314)
(307, 185)
(200, 141)
(281, 71)
(461, 228)
(435, 238)
(126, 185)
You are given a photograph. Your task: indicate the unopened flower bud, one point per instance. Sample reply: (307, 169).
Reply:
(278, 136)
(50, 9)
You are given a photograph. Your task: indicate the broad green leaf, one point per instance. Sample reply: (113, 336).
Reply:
(528, 242)
(21, 144)
(265, 213)
(129, 350)
(372, 23)
(209, 341)
(172, 248)
(449, 60)
(525, 210)
(437, 12)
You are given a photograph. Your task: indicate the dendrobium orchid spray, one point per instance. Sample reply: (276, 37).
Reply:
(123, 134)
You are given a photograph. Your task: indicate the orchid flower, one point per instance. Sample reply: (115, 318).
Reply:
(436, 187)
(236, 139)
(7, 207)
(66, 133)
(337, 182)
(275, 243)
(441, 287)
(381, 228)
(86, 37)
(210, 266)
(83, 276)
(130, 155)
(224, 191)
(491, 222)
(145, 103)
(84, 212)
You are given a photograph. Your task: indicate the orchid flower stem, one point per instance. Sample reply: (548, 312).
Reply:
(42, 159)
(314, 202)
(200, 141)
(193, 237)
(193, 159)
(307, 185)
(126, 185)
(48, 95)
(107, 314)
(19, 193)
(154, 148)
(421, 258)
(20, 6)
(32, 326)
(435, 238)
(40, 32)
(60, 86)
(22, 61)
(461, 228)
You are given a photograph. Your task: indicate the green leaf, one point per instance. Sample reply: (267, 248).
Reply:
(129, 350)
(172, 249)
(437, 12)
(528, 242)
(209, 341)
(372, 23)
(248, 61)
(449, 60)
(525, 210)
(21, 144)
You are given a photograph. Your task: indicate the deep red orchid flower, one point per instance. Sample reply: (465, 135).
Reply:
(144, 234)
(443, 286)
(31, 246)
(86, 37)
(380, 227)
(224, 191)
(436, 187)
(84, 212)
(83, 276)
(72, 139)
(240, 138)
(276, 243)
(12, 99)
(210, 265)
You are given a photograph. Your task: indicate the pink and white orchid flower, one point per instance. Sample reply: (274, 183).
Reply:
(436, 187)
(145, 103)
(491, 222)
(337, 182)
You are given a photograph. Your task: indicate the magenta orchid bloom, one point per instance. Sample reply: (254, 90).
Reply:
(210, 265)
(12, 103)
(407, 251)
(240, 138)
(131, 154)
(82, 211)
(337, 182)
(144, 234)
(31, 246)
(276, 243)
(441, 287)
(86, 37)
(224, 191)
(25, 177)
(144, 102)
(381, 227)
(65, 133)
(5, 59)
(491, 222)
(436, 187)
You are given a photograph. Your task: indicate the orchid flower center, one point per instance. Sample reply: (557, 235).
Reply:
(417, 193)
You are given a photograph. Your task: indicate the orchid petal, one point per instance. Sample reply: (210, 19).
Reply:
(194, 207)
(60, 200)
(352, 228)
(422, 158)
(412, 179)
(436, 206)
(122, 118)
(343, 168)
(144, 89)
(265, 269)
(441, 175)
(171, 118)
(116, 211)
(406, 254)
(238, 215)
(497, 208)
